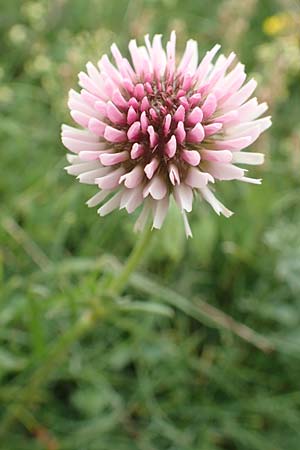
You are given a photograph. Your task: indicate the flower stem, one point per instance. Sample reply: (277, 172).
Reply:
(119, 282)
(60, 348)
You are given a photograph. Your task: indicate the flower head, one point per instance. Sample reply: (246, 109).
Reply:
(154, 129)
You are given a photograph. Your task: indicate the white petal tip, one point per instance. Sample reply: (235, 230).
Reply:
(251, 180)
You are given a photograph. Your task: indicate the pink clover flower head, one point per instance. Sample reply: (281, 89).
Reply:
(152, 128)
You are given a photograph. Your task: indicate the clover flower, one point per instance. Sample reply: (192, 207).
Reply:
(155, 129)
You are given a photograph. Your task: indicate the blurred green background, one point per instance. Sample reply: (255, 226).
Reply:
(170, 366)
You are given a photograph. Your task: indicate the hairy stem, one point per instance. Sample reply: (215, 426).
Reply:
(119, 282)
(28, 395)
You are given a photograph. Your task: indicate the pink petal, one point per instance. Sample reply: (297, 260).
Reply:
(187, 228)
(160, 212)
(134, 103)
(81, 107)
(139, 91)
(100, 106)
(119, 100)
(204, 65)
(89, 155)
(106, 66)
(167, 123)
(132, 116)
(137, 151)
(170, 147)
(133, 178)
(197, 179)
(174, 174)
(179, 114)
(134, 131)
(97, 127)
(128, 85)
(184, 102)
(184, 197)
(131, 199)
(217, 75)
(112, 204)
(232, 144)
(153, 114)
(156, 187)
(223, 171)
(195, 116)
(111, 180)
(195, 99)
(242, 95)
(151, 168)
(224, 156)
(192, 157)
(187, 82)
(145, 105)
(255, 112)
(251, 180)
(88, 84)
(180, 133)
(76, 145)
(254, 159)
(80, 118)
(97, 198)
(209, 106)
(75, 133)
(171, 55)
(117, 55)
(94, 73)
(109, 88)
(77, 102)
(252, 128)
(113, 135)
(153, 136)
(144, 122)
(114, 114)
(82, 167)
(190, 57)
(247, 109)
(91, 176)
(158, 56)
(196, 134)
(229, 117)
(214, 202)
(231, 83)
(89, 98)
(109, 159)
(73, 159)
(143, 217)
(212, 128)
(148, 88)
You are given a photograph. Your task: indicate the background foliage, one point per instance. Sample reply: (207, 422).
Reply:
(162, 368)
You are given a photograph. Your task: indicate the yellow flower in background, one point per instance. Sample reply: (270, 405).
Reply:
(276, 24)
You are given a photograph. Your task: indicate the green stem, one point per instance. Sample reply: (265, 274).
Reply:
(60, 348)
(118, 283)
